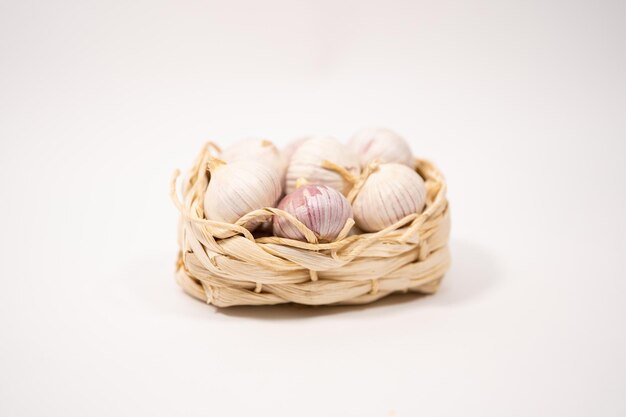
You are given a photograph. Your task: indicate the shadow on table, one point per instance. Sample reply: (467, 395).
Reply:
(474, 272)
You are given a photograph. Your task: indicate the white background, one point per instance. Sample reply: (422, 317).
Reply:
(521, 103)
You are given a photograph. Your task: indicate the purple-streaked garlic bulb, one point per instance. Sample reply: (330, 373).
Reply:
(389, 194)
(307, 162)
(381, 144)
(322, 209)
(237, 188)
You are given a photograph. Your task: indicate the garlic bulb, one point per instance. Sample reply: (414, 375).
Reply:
(240, 187)
(292, 147)
(391, 193)
(260, 150)
(322, 209)
(307, 162)
(382, 144)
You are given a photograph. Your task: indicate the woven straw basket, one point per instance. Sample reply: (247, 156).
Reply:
(226, 265)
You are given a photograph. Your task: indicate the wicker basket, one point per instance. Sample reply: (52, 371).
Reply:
(226, 265)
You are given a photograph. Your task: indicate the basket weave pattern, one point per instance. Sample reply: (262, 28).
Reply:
(225, 265)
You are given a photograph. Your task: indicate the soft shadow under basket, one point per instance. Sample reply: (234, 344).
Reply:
(226, 265)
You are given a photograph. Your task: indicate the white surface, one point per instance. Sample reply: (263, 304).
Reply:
(520, 103)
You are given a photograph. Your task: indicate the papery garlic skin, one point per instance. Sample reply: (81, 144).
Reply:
(381, 144)
(389, 194)
(307, 162)
(292, 147)
(254, 149)
(237, 188)
(257, 150)
(322, 209)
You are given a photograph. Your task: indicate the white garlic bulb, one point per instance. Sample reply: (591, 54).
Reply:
(293, 146)
(255, 149)
(238, 188)
(258, 150)
(383, 145)
(307, 162)
(322, 209)
(389, 194)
